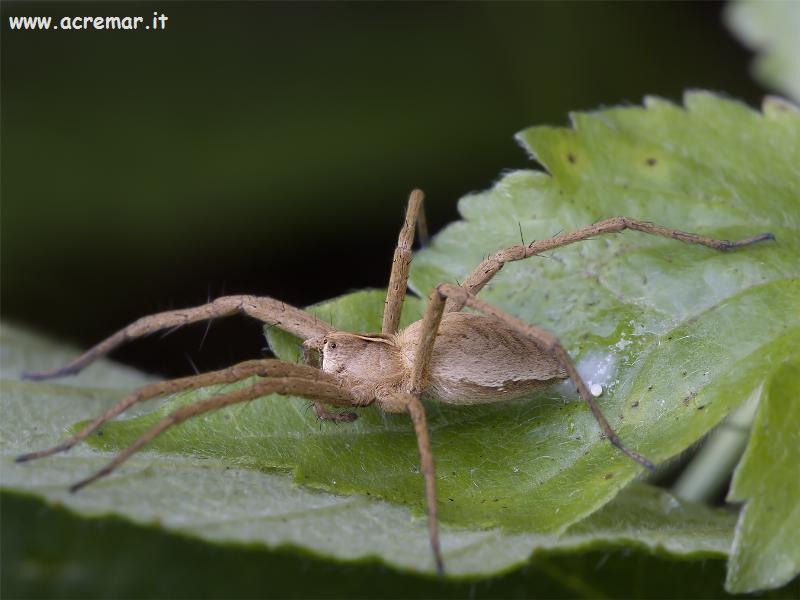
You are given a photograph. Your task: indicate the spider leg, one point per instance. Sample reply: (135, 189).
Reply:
(261, 368)
(417, 413)
(264, 309)
(545, 340)
(323, 414)
(401, 263)
(318, 386)
(491, 265)
(411, 404)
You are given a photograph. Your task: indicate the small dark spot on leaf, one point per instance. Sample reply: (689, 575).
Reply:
(451, 500)
(635, 404)
(99, 433)
(649, 387)
(495, 499)
(688, 397)
(608, 476)
(683, 373)
(651, 162)
(571, 158)
(701, 407)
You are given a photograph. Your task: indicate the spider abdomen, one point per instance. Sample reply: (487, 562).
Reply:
(479, 359)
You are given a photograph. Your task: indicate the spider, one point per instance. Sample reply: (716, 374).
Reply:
(448, 356)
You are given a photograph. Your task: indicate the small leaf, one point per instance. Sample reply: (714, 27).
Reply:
(766, 553)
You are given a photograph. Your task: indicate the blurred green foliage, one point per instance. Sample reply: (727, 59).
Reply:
(765, 551)
(772, 30)
(67, 557)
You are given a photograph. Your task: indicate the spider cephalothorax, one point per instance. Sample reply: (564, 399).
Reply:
(364, 358)
(370, 365)
(448, 356)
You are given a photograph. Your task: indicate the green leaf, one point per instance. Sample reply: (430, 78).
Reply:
(677, 335)
(765, 551)
(208, 494)
(772, 29)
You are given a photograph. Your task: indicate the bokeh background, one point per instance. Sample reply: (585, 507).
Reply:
(269, 148)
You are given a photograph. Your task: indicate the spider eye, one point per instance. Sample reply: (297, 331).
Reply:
(332, 345)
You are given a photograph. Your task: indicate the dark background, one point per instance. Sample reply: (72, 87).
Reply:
(269, 148)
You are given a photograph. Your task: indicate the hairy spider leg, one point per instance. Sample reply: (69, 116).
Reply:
(267, 310)
(260, 368)
(320, 388)
(416, 411)
(323, 414)
(401, 263)
(487, 269)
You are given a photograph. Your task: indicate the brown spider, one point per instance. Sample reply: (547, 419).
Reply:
(448, 356)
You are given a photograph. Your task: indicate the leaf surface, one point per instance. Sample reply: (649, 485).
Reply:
(678, 335)
(212, 494)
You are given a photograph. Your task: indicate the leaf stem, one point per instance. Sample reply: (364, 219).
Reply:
(712, 466)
